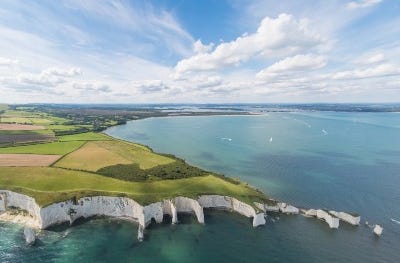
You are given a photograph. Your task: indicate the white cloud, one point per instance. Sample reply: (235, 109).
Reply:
(275, 36)
(8, 62)
(378, 71)
(62, 72)
(149, 86)
(92, 87)
(293, 64)
(199, 47)
(370, 59)
(362, 4)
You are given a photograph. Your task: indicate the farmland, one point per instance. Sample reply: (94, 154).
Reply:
(89, 163)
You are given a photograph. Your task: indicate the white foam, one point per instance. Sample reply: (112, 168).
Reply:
(395, 221)
(226, 139)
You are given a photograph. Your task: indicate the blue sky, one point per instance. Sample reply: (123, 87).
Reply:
(73, 51)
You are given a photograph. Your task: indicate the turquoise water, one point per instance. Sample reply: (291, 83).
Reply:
(341, 161)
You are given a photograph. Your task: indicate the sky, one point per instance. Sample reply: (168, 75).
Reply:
(209, 51)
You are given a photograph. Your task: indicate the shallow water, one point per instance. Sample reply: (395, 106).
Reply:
(341, 161)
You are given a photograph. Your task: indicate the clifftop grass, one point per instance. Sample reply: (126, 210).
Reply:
(49, 185)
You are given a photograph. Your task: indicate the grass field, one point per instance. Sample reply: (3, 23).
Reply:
(58, 148)
(87, 136)
(48, 185)
(95, 155)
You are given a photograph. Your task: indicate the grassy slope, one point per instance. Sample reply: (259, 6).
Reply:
(48, 185)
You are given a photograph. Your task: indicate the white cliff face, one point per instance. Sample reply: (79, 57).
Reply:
(122, 207)
(91, 206)
(2, 202)
(170, 209)
(333, 222)
(188, 205)
(353, 220)
(288, 209)
(23, 202)
(229, 203)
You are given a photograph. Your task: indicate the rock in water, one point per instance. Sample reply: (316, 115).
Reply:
(29, 234)
(140, 233)
(378, 230)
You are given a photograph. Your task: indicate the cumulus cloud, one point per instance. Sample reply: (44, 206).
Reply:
(282, 35)
(8, 62)
(293, 64)
(199, 47)
(149, 86)
(48, 77)
(362, 4)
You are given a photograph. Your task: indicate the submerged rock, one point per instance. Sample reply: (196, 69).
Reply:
(30, 236)
(378, 230)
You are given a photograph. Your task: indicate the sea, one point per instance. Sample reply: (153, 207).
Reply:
(344, 161)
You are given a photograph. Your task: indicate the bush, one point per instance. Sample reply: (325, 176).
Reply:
(132, 172)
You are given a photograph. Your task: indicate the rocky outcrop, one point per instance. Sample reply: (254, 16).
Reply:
(332, 221)
(288, 209)
(310, 212)
(348, 218)
(378, 230)
(29, 235)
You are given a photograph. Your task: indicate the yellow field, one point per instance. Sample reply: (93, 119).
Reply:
(98, 154)
(19, 127)
(27, 159)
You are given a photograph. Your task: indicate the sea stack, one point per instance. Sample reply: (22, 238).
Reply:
(378, 230)
(332, 221)
(29, 234)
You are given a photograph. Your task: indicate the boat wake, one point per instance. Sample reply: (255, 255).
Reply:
(395, 221)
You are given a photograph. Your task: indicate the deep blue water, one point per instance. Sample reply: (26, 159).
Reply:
(341, 161)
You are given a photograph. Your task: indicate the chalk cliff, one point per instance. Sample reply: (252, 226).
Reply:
(125, 208)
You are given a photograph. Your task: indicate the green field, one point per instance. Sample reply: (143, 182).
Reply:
(48, 185)
(87, 136)
(59, 148)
